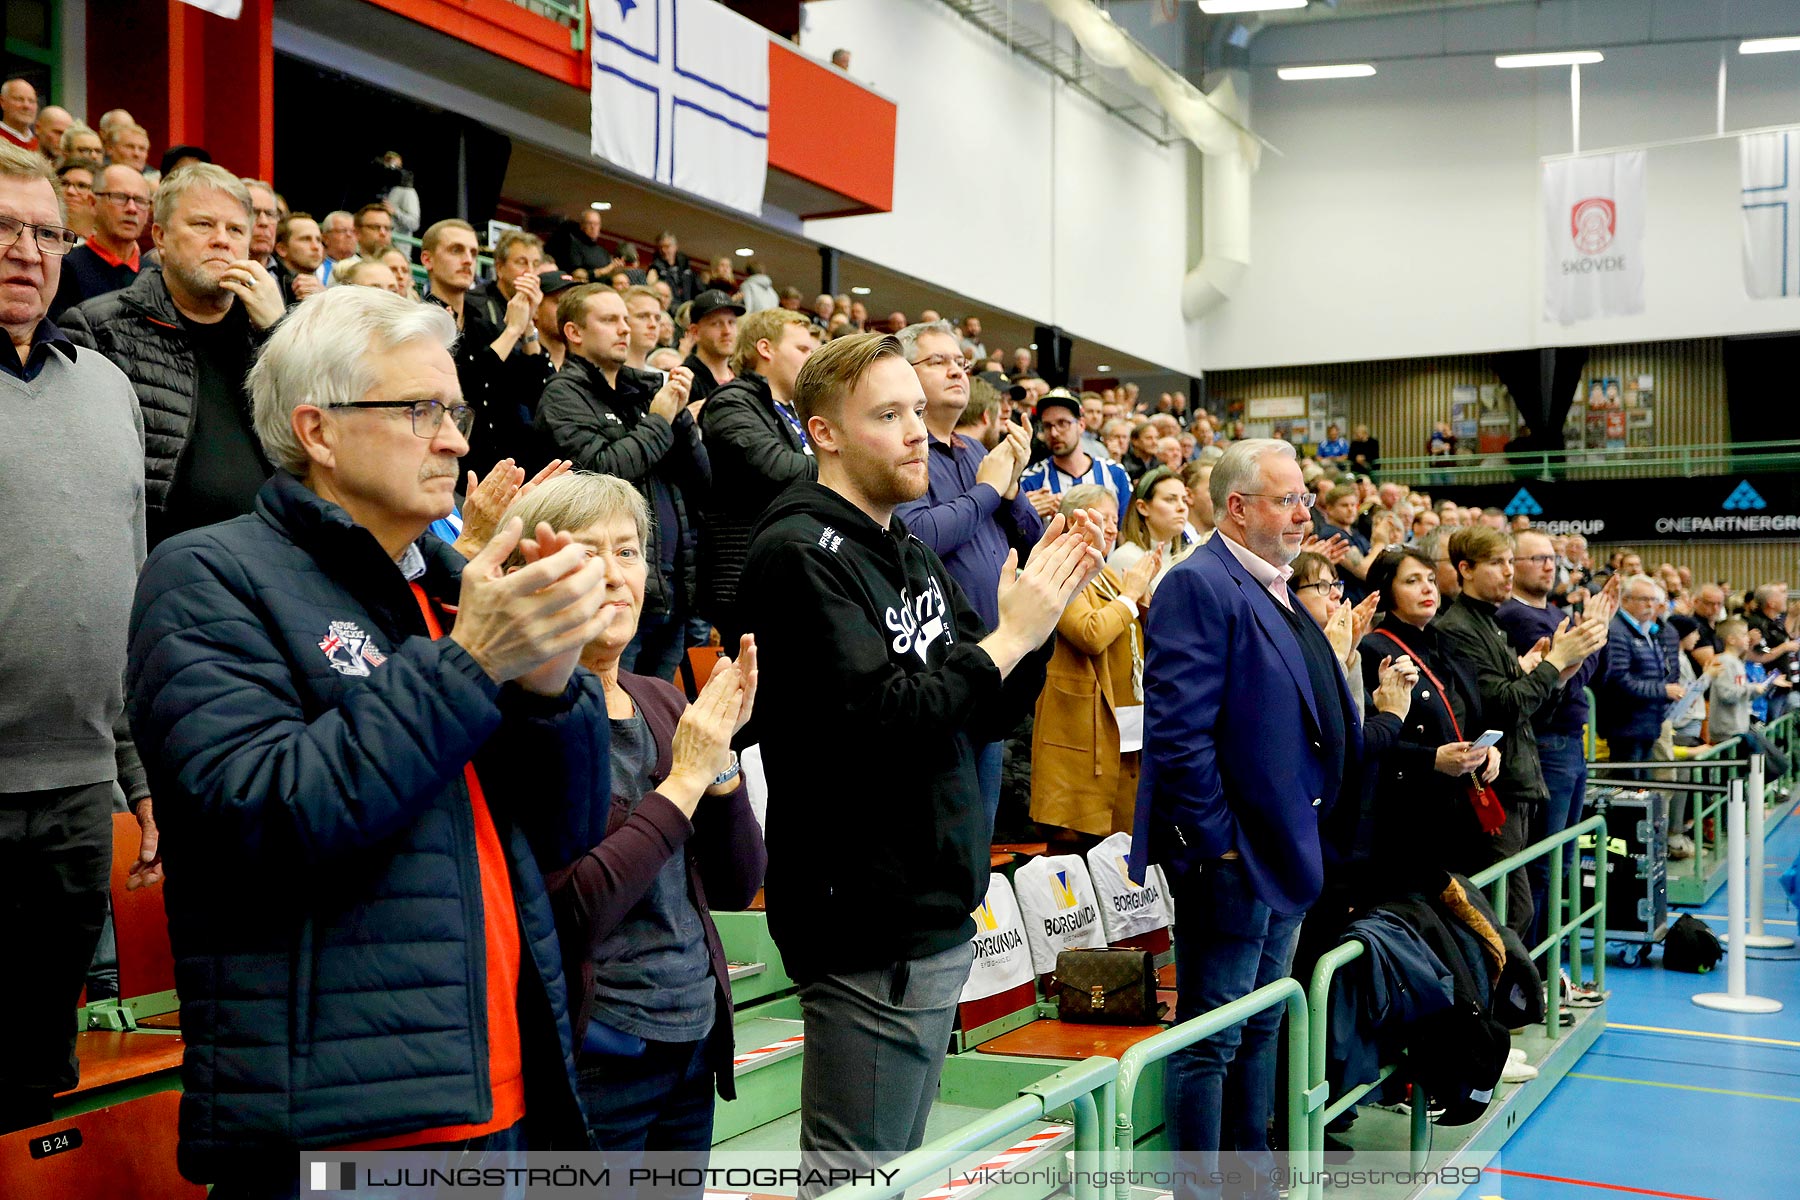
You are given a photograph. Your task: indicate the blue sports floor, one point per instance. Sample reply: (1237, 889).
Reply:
(1676, 1100)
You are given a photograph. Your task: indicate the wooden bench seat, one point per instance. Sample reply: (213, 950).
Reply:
(108, 1058)
(1069, 1041)
(121, 1152)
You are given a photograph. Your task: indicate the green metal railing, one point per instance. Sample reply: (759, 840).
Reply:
(570, 13)
(1705, 773)
(1565, 922)
(1718, 458)
(1102, 1092)
(1300, 1097)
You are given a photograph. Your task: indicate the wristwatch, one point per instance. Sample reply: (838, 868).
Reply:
(729, 773)
(531, 335)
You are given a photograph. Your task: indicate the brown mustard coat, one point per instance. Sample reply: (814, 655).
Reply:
(1079, 780)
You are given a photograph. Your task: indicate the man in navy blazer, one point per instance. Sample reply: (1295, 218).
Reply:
(1249, 728)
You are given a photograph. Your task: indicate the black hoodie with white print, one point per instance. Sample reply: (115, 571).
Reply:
(874, 698)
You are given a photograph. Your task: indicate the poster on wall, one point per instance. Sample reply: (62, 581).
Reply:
(1575, 426)
(1606, 426)
(1594, 211)
(1465, 414)
(1640, 411)
(1770, 200)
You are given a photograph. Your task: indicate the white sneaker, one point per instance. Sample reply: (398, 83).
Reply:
(1515, 1055)
(1518, 1072)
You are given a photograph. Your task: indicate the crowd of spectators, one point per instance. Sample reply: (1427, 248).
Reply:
(388, 588)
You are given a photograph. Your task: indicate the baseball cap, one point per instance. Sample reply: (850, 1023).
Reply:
(175, 154)
(1058, 398)
(711, 301)
(554, 281)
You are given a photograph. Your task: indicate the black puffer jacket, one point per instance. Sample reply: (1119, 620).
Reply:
(610, 430)
(756, 453)
(305, 741)
(139, 329)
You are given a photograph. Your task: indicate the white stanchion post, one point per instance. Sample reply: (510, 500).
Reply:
(1758, 883)
(1735, 998)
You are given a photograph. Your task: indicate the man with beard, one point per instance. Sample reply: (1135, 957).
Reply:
(885, 676)
(499, 360)
(301, 249)
(1062, 421)
(607, 417)
(109, 259)
(185, 335)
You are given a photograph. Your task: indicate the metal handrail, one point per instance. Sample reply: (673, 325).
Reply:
(1300, 1098)
(1704, 459)
(1565, 888)
(570, 13)
(1087, 1085)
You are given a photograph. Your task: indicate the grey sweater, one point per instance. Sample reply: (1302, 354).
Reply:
(1731, 692)
(71, 543)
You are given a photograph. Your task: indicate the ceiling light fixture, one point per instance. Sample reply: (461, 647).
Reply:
(1211, 7)
(1774, 45)
(601, 206)
(860, 291)
(1335, 71)
(1556, 58)
(1103, 368)
(745, 251)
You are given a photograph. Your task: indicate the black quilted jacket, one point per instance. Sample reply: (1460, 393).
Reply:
(611, 431)
(139, 329)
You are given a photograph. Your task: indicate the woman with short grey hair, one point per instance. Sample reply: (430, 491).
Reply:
(633, 887)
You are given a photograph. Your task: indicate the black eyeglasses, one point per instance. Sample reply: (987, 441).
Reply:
(1334, 586)
(427, 415)
(51, 239)
(125, 199)
(1541, 559)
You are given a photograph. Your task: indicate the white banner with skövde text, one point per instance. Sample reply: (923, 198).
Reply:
(1594, 213)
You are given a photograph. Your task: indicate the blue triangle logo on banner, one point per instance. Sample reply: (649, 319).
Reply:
(1524, 503)
(1744, 497)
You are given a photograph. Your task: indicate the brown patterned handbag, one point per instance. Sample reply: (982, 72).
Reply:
(1106, 987)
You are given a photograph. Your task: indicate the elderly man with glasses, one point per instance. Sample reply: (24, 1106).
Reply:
(108, 260)
(184, 334)
(71, 458)
(974, 510)
(339, 706)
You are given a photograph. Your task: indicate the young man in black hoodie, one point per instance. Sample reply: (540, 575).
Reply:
(877, 837)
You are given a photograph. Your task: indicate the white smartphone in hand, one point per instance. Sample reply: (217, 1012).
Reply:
(1490, 738)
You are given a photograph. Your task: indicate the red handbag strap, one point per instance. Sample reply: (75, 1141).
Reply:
(1420, 662)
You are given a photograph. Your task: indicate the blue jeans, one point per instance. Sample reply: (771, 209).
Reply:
(1564, 759)
(660, 1102)
(505, 1148)
(1221, 1091)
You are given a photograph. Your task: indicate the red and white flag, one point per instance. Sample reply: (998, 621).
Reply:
(1594, 210)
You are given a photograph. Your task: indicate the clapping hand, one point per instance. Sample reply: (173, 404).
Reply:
(530, 625)
(1334, 548)
(1397, 678)
(1032, 600)
(1363, 619)
(701, 749)
(486, 502)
